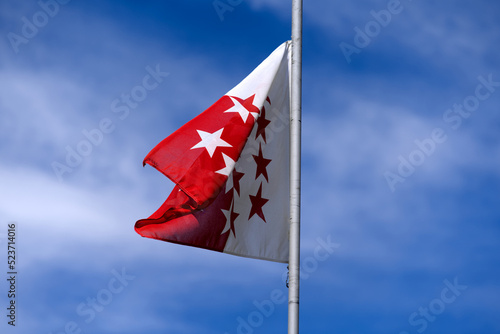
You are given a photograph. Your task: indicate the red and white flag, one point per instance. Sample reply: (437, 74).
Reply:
(230, 165)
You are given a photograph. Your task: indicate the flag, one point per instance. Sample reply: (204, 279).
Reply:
(230, 166)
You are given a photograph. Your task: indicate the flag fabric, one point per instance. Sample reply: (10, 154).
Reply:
(230, 166)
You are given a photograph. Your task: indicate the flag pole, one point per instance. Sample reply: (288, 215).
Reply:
(295, 143)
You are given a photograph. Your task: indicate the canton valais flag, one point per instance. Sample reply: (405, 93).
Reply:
(230, 166)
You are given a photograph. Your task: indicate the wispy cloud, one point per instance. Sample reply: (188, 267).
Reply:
(358, 118)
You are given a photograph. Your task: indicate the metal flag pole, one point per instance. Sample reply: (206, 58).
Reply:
(295, 140)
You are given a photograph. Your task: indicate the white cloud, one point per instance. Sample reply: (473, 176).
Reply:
(346, 194)
(42, 106)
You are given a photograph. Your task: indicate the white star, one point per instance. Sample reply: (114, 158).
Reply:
(240, 109)
(229, 165)
(211, 141)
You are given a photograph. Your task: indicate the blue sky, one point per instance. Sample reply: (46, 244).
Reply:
(401, 157)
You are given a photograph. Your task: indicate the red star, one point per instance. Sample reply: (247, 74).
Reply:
(262, 123)
(231, 216)
(261, 164)
(234, 215)
(257, 203)
(236, 180)
(248, 103)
